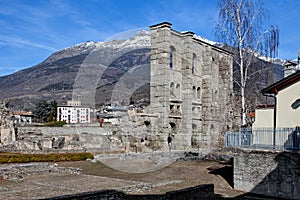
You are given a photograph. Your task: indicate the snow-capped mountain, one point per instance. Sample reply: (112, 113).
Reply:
(54, 78)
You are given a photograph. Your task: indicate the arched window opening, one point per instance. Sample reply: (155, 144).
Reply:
(173, 125)
(172, 51)
(172, 86)
(194, 126)
(198, 92)
(193, 63)
(147, 124)
(194, 92)
(177, 92)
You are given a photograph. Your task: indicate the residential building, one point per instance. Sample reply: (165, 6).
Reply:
(274, 125)
(22, 117)
(73, 113)
(287, 100)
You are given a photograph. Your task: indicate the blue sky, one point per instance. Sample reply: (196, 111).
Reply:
(31, 30)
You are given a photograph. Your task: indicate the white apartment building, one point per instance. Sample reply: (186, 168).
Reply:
(73, 113)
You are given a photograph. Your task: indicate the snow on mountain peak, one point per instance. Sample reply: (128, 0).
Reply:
(198, 37)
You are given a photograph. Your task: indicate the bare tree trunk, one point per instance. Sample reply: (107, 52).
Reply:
(240, 25)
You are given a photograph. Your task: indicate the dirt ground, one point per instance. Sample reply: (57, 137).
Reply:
(97, 176)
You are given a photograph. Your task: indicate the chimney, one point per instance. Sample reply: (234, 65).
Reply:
(290, 67)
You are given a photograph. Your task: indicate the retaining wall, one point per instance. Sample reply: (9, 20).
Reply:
(268, 172)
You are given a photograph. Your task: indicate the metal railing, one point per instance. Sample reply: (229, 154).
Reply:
(285, 138)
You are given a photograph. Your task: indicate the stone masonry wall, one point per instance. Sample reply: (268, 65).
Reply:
(86, 138)
(190, 107)
(268, 172)
(190, 89)
(81, 138)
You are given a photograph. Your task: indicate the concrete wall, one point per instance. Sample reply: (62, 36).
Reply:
(268, 172)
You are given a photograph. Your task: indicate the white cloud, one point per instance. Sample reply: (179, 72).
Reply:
(12, 41)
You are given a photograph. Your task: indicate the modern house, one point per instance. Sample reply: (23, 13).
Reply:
(275, 124)
(286, 94)
(73, 113)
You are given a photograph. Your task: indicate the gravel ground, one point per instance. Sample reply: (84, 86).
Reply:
(97, 176)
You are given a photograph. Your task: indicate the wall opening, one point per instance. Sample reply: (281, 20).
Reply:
(172, 56)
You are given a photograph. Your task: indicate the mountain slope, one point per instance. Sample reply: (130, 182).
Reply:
(101, 72)
(54, 78)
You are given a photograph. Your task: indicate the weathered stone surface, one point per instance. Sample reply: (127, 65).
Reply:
(191, 92)
(7, 126)
(268, 172)
(17, 172)
(190, 89)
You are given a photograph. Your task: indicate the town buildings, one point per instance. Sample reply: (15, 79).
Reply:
(73, 112)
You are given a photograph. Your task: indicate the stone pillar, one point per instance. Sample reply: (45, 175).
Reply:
(159, 84)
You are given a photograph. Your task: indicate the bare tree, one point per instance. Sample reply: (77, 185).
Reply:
(240, 25)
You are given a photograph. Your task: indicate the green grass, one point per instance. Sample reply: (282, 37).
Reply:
(53, 157)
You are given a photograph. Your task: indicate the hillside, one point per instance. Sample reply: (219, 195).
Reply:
(105, 72)
(54, 78)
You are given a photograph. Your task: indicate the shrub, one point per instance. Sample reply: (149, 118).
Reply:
(55, 123)
(53, 157)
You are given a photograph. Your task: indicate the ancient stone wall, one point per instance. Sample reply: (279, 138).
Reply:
(7, 126)
(81, 138)
(191, 106)
(191, 89)
(268, 172)
(17, 172)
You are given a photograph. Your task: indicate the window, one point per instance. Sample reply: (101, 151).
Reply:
(172, 50)
(193, 63)
(194, 92)
(198, 92)
(172, 94)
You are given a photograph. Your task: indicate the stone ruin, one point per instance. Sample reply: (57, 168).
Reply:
(8, 130)
(191, 90)
(191, 105)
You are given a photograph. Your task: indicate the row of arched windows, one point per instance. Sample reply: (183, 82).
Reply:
(196, 92)
(172, 59)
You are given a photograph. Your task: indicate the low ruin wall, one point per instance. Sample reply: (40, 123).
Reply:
(268, 172)
(70, 138)
(81, 138)
(17, 172)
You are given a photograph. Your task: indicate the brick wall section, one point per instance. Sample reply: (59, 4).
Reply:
(269, 173)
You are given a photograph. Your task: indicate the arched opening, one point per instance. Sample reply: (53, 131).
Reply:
(173, 126)
(194, 92)
(172, 86)
(193, 63)
(198, 93)
(178, 90)
(172, 59)
(147, 124)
